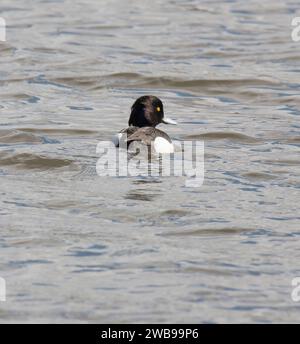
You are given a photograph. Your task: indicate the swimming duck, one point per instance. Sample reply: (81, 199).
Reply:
(146, 113)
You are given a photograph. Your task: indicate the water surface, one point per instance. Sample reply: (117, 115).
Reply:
(76, 247)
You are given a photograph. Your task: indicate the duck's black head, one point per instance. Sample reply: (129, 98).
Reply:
(148, 111)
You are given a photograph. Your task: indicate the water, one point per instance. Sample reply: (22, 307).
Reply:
(76, 247)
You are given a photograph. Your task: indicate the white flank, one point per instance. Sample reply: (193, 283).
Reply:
(162, 145)
(116, 139)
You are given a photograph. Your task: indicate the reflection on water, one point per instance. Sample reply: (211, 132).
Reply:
(77, 247)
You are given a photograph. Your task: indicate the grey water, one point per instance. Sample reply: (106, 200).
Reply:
(77, 247)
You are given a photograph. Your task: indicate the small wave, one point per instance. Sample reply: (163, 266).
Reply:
(280, 162)
(130, 80)
(140, 196)
(259, 176)
(292, 140)
(210, 232)
(176, 212)
(223, 135)
(16, 136)
(59, 132)
(32, 161)
(84, 81)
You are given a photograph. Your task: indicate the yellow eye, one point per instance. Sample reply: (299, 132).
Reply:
(158, 109)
